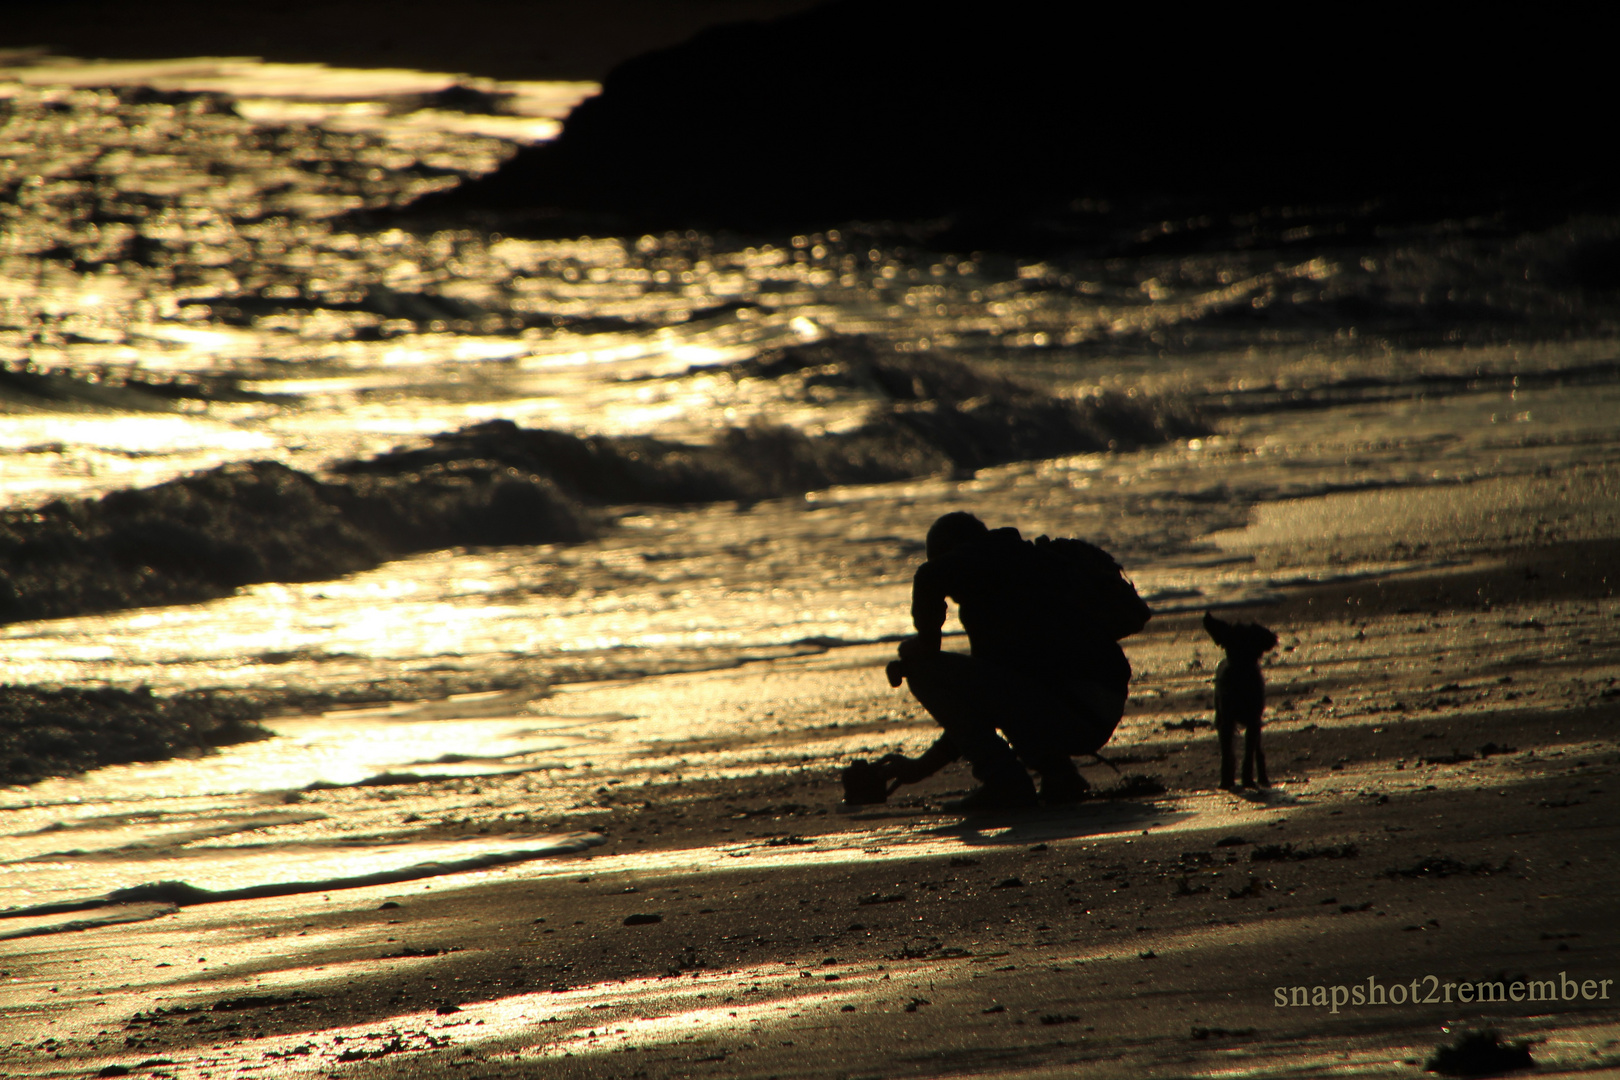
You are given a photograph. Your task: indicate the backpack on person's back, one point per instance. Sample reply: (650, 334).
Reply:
(1095, 584)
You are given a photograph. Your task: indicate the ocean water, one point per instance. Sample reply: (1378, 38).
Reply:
(198, 267)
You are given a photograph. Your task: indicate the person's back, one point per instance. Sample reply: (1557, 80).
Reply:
(1018, 611)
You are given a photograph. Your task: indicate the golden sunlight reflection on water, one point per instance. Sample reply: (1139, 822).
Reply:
(711, 582)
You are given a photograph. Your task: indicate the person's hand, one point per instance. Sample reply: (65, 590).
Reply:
(913, 648)
(896, 671)
(904, 769)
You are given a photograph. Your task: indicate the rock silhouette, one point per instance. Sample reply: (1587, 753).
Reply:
(892, 110)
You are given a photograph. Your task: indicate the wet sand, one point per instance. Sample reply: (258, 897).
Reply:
(1443, 748)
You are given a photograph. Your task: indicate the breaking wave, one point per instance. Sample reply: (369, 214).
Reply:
(205, 535)
(929, 414)
(495, 483)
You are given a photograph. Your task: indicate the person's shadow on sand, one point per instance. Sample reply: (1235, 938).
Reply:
(1099, 818)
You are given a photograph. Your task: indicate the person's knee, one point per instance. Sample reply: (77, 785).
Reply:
(937, 673)
(943, 685)
(1098, 715)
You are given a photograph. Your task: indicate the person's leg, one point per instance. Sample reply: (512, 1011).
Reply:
(1100, 711)
(1040, 724)
(953, 688)
(1049, 725)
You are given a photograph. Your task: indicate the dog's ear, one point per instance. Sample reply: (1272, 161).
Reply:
(1265, 639)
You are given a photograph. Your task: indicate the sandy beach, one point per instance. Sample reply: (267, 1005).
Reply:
(1443, 748)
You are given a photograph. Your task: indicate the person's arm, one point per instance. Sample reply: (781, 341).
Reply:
(911, 770)
(936, 757)
(928, 593)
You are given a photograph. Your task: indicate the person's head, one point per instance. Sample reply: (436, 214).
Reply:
(953, 531)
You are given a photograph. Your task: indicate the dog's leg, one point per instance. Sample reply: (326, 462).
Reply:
(1254, 754)
(1248, 753)
(1226, 730)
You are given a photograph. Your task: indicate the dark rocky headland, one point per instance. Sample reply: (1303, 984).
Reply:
(1042, 124)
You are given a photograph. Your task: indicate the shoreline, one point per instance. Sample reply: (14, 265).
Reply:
(1574, 569)
(1138, 926)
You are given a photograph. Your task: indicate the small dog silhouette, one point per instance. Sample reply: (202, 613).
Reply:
(1240, 696)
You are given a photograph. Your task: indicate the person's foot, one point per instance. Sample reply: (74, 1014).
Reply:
(1061, 782)
(995, 797)
(1063, 790)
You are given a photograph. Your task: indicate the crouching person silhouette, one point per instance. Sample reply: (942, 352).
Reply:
(1240, 696)
(1046, 679)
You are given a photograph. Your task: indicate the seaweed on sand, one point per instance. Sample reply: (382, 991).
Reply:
(64, 732)
(1134, 786)
(1289, 853)
(1480, 1053)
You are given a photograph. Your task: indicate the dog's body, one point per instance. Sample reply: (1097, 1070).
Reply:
(1240, 696)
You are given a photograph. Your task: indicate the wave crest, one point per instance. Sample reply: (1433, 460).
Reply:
(204, 535)
(929, 414)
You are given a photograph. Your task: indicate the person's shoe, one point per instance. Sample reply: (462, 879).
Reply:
(994, 797)
(1064, 790)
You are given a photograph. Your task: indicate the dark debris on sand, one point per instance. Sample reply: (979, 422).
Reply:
(1480, 1053)
(1287, 852)
(1134, 786)
(65, 732)
(1441, 866)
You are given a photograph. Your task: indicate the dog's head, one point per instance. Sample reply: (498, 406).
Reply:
(1240, 641)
